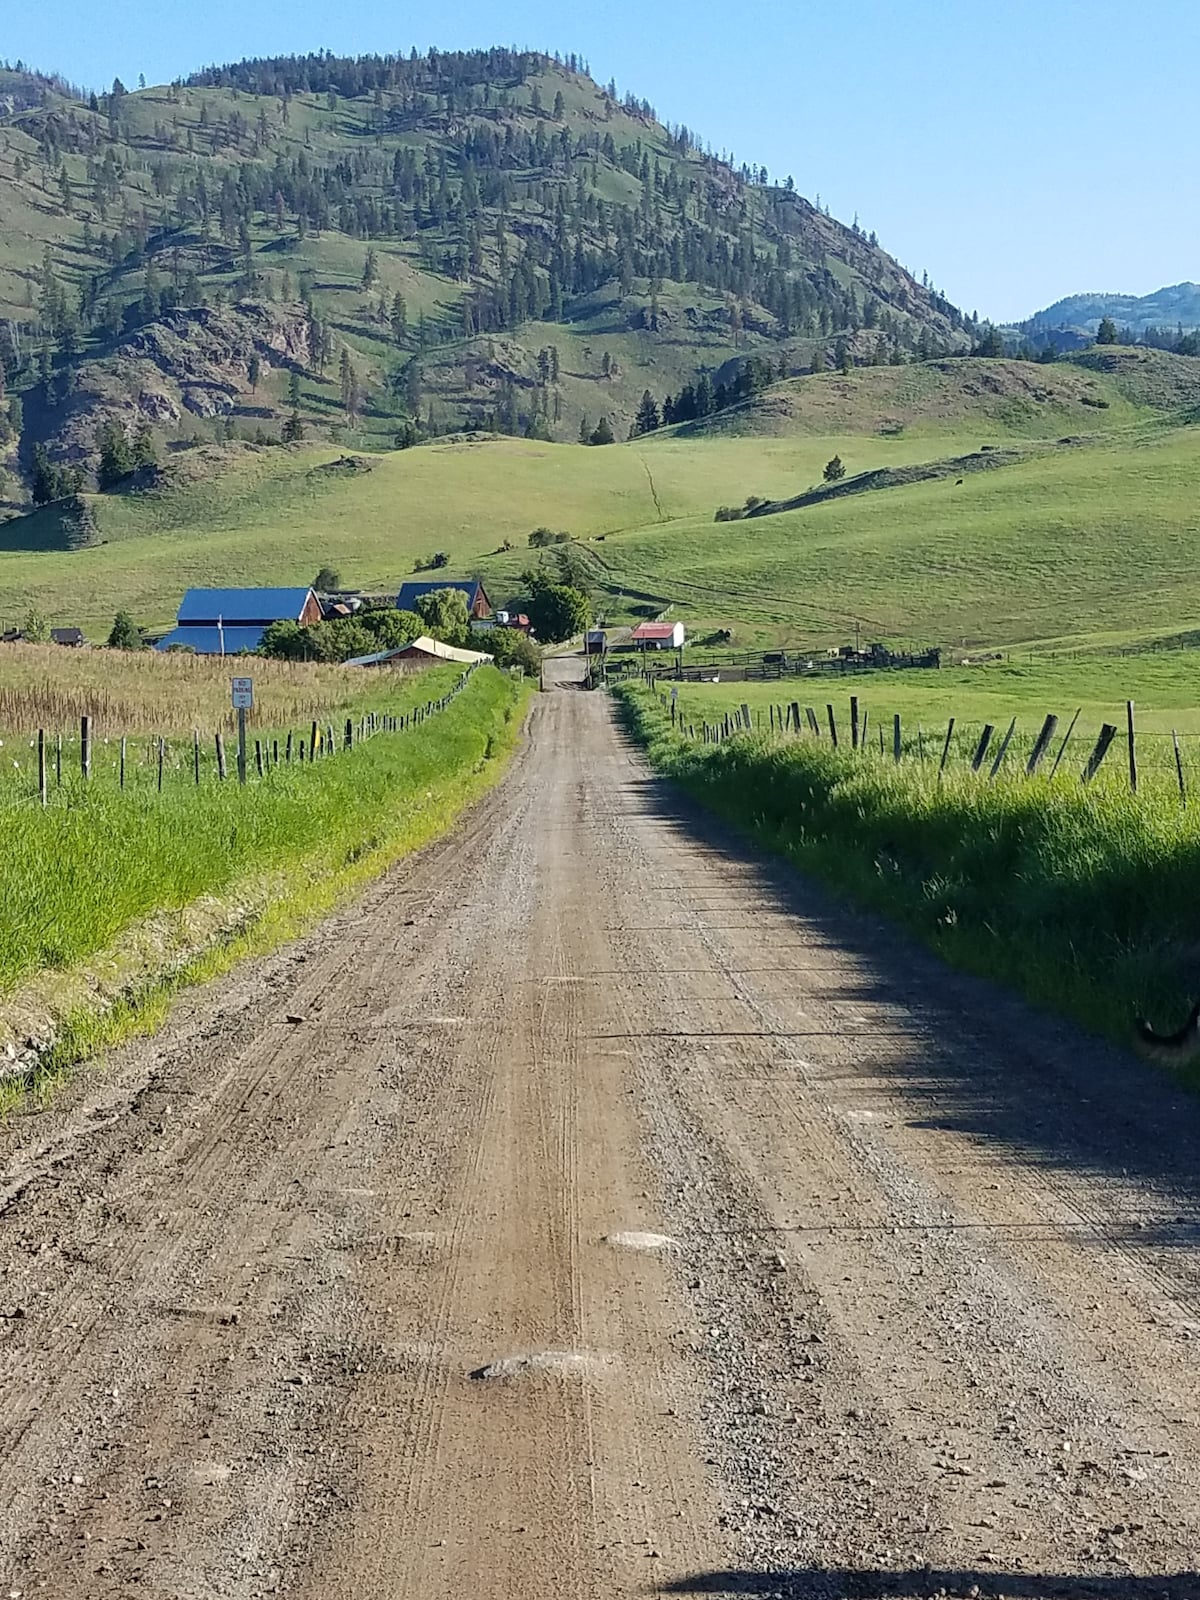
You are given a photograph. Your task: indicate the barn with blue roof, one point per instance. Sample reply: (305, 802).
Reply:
(479, 607)
(224, 622)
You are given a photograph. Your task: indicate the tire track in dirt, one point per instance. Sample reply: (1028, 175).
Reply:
(818, 1271)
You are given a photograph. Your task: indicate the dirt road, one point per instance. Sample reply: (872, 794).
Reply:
(595, 1211)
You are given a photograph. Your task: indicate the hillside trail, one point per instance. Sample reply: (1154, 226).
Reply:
(594, 1210)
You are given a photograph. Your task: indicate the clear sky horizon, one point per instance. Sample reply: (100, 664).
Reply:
(1018, 153)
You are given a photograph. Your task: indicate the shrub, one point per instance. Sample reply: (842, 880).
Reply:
(125, 635)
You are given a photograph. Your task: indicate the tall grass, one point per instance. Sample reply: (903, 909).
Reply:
(73, 877)
(48, 686)
(1083, 898)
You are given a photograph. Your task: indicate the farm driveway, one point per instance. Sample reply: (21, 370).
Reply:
(594, 1210)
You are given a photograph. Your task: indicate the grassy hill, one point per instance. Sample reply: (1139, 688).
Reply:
(1017, 399)
(479, 240)
(246, 514)
(1068, 542)
(1076, 537)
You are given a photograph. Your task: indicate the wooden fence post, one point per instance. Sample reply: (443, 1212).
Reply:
(832, 723)
(85, 746)
(921, 743)
(162, 750)
(1062, 749)
(946, 747)
(258, 756)
(1132, 747)
(1003, 751)
(896, 738)
(985, 738)
(122, 761)
(796, 717)
(58, 761)
(747, 724)
(1108, 733)
(1049, 728)
(1179, 768)
(288, 756)
(42, 795)
(196, 755)
(812, 721)
(862, 732)
(221, 769)
(854, 722)
(312, 741)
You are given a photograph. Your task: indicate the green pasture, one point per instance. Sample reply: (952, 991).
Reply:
(1163, 684)
(274, 516)
(1071, 544)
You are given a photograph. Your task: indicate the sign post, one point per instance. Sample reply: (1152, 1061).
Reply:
(243, 701)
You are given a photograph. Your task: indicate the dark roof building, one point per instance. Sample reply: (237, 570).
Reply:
(224, 622)
(67, 636)
(478, 605)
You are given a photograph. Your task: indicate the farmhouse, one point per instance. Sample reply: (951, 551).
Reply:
(422, 652)
(479, 607)
(223, 622)
(659, 635)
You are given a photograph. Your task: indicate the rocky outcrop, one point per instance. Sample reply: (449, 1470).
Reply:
(190, 364)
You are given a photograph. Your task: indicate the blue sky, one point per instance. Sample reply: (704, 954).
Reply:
(1018, 151)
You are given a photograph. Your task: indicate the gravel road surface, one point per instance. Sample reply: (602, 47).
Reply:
(595, 1210)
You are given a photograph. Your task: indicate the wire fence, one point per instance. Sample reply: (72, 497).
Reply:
(57, 766)
(1051, 750)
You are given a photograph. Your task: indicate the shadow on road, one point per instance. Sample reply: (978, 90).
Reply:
(974, 1059)
(817, 1583)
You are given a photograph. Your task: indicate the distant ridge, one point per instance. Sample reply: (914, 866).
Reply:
(1168, 309)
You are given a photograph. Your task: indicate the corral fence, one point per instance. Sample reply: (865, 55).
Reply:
(60, 763)
(755, 666)
(987, 750)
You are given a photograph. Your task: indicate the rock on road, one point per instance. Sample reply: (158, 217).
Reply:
(619, 1218)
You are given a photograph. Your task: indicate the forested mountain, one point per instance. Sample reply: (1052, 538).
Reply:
(383, 247)
(1157, 318)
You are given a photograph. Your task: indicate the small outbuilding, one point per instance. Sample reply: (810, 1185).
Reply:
(71, 637)
(422, 652)
(659, 635)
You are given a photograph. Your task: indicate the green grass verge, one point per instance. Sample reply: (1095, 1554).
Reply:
(330, 832)
(1083, 900)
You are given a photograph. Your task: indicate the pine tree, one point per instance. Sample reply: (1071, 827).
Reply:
(647, 418)
(1106, 333)
(116, 458)
(370, 274)
(125, 634)
(44, 480)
